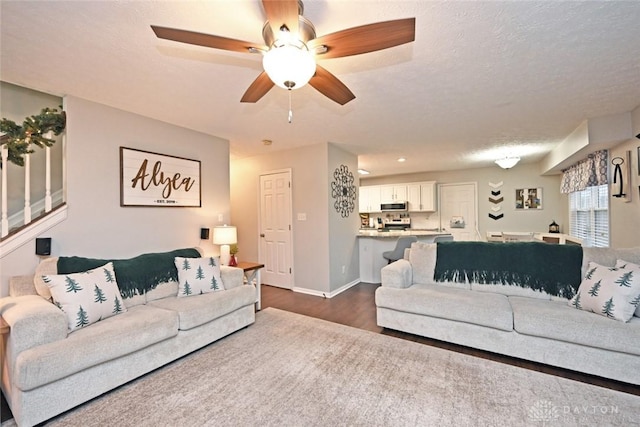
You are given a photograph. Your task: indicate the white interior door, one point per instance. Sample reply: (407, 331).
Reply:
(459, 201)
(275, 229)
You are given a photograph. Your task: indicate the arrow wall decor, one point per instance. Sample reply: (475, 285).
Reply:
(496, 198)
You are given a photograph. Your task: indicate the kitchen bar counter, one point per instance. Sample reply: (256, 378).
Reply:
(372, 243)
(397, 233)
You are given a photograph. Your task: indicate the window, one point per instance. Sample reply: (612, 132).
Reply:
(589, 215)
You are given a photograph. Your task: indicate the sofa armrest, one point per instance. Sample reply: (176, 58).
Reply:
(398, 274)
(232, 277)
(33, 321)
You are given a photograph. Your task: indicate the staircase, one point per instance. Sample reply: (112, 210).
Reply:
(21, 219)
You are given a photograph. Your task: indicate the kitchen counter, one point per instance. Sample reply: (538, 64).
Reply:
(397, 233)
(372, 243)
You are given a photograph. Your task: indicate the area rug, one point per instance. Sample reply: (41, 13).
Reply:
(292, 370)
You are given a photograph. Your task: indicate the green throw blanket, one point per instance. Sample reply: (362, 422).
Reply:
(554, 269)
(136, 275)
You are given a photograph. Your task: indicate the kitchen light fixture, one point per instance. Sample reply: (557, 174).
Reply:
(363, 172)
(225, 235)
(507, 162)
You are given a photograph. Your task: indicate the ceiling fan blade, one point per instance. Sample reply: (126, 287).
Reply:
(329, 85)
(206, 40)
(366, 38)
(258, 88)
(281, 12)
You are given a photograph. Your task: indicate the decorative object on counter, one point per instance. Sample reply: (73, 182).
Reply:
(224, 236)
(528, 198)
(496, 198)
(507, 162)
(37, 130)
(554, 227)
(344, 191)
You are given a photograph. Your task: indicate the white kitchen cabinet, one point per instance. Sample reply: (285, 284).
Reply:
(422, 196)
(369, 199)
(393, 193)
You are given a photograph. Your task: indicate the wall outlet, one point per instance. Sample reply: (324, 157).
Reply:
(302, 217)
(220, 217)
(344, 269)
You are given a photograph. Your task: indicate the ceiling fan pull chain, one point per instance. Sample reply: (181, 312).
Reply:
(290, 111)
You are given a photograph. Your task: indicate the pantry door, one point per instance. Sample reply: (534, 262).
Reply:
(459, 207)
(275, 229)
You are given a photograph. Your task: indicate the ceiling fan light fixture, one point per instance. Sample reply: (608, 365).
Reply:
(507, 162)
(289, 66)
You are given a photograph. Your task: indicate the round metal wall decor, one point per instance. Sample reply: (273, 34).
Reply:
(343, 190)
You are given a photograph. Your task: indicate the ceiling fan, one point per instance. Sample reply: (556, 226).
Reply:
(291, 48)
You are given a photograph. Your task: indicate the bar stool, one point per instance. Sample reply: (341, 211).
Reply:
(403, 243)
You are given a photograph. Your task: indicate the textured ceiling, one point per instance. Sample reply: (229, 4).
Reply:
(481, 80)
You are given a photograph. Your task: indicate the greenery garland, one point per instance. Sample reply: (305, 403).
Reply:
(19, 139)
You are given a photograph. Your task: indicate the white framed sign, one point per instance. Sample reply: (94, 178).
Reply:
(153, 179)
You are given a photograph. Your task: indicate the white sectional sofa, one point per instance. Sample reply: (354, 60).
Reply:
(48, 370)
(508, 318)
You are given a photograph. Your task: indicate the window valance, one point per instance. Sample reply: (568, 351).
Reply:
(589, 172)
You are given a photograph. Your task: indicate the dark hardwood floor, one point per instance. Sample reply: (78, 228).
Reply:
(356, 307)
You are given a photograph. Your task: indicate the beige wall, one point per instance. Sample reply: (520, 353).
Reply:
(555, 205)
(96, 225)
(625, 217)
(322, 243)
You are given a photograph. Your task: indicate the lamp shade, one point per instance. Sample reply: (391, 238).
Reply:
(507, 162)
(289, 66)
(225, 235)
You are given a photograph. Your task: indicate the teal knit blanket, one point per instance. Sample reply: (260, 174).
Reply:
(554, 269)
(136, 275)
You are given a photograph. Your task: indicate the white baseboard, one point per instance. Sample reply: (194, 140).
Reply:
(325, 294)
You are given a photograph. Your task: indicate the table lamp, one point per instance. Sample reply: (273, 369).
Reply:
(225, 235)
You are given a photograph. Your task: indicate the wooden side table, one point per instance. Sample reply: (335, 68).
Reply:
(4, 332)
(252, 275)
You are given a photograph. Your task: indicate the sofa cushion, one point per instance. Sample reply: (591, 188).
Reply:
(86, 297)
(204, 308)
(608, 256)
(45, 267)
(462, 305)
(117, 336)
(557, 321)
(198, 276)
(422, 257)
(626, 264)
(613, 292)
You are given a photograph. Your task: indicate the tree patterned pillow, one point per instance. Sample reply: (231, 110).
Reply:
(198, 276)
(613, 292)
(86, 297)
(629, 265)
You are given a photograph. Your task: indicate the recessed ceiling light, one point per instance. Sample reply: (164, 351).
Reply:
(363, 172)
(402, 159)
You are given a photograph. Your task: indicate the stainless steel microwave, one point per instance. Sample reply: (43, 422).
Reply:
(394, 207)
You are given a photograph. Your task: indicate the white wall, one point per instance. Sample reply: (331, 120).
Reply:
(555, 204)
(96, 225)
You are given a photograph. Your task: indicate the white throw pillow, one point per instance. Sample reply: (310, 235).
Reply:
(626, 264)
(86, 297)
(612, 292)
(198, 276)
